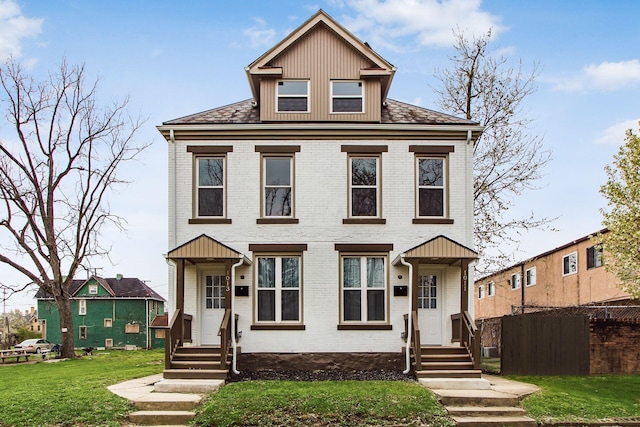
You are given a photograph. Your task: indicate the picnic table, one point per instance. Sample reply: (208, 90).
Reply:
(14, 354)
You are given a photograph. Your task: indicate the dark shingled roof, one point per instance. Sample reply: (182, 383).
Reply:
(395, 112)
(126, 287)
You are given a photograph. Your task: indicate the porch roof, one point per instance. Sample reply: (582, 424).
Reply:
(205, 249)
(439, 250)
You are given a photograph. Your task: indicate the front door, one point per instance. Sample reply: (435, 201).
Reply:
(429, 309)
(212, 291)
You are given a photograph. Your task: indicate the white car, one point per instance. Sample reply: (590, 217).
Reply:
(34, 345)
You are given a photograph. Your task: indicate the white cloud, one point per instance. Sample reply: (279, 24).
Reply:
(430, 22)
(615, 134)
(608, 76)
(14, 27)
(259, 35)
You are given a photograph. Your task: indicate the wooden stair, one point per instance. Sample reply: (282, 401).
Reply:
(202, 362)
(446, 362)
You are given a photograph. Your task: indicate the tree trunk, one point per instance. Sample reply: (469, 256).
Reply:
(66, 324)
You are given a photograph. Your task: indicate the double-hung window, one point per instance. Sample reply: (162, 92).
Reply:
(530, 276)
(210, 192)
(278, 179)
(432, 183)
(347, 97)
(570, 264)
(431, 186)
(364, 289)
(481, 292)
(209, 181)
(595, 256)
(278, 186)
(515, 281)
(364, 183)
(278, 287)
(82, 307)
(292, 96)
(492, 289)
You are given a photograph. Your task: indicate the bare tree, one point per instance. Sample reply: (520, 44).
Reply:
(507, 160)
(56, 173)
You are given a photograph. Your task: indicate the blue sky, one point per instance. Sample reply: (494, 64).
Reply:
(177, 58)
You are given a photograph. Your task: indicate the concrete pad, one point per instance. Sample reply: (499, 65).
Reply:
(516, 388)
(135, 389)
(187, 386)
(455, 383)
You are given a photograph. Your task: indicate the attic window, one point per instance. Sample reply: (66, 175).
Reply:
(292, 96)
(346, 97)
(93, 289)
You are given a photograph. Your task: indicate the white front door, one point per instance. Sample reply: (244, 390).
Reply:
(212, 309)
(429, 309)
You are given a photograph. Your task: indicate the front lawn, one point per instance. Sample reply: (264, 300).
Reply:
(72, 392)
(584, 399)
(322, 403)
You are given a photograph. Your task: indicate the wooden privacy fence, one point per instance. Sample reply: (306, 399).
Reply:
(536, 344)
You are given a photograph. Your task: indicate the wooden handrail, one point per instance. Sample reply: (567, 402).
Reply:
(470, 338)
(224, 332)
(174, 338)
(417, 349)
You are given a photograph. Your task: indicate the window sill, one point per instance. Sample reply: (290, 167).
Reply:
(210, 221)
(278, 327)
(364, 221)
(364, 327)
(277, 221)
(432, 221)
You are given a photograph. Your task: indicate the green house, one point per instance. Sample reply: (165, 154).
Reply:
(107, 313)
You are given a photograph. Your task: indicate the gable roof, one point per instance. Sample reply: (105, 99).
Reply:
(262, 66)
(440, 250)
(124, 287)
(206, 247)
(394, 112)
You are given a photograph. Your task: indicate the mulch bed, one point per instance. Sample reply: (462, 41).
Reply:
(322, 375)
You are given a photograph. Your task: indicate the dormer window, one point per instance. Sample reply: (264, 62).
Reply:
(292, 96)
(347, 97)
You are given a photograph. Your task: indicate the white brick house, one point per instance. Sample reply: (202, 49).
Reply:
(330, 221)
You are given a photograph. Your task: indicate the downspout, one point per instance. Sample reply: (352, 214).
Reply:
(410, 317)
(232, 319)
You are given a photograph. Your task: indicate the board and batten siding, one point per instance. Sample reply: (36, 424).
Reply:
(320, 58)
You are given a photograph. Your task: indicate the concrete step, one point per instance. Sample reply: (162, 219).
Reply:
(426, 366)
(161, 417)
(483, 398)
(199, 386)
(450, 373)
(494, 421)
(167, 401)
(210, 374)
(485, 412)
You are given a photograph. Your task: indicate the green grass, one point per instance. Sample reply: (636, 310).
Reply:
(322, 403)
(584, 399)
(72, 392)
(490, 365)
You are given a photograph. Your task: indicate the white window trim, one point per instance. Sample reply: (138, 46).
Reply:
(490, 286)
(223, 186)
(307, 96)
(378, 186)
(481, 292)
(86, 332)
(332, 96)
(535, 277)
(517, 281)
(82, 307)
(445, 202)
(278, 289)
(570, 272)
(363, 290)
(108, 322)
(291, 185)
(93, 289)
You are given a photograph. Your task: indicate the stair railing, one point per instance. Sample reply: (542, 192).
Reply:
(415, 337)
(173, 339)
(225, 338)
(470, 338)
